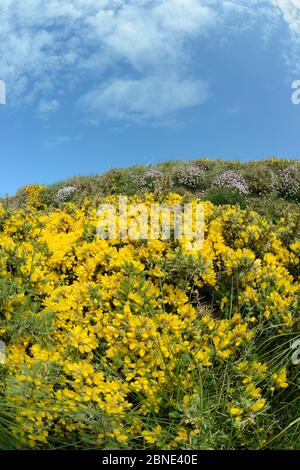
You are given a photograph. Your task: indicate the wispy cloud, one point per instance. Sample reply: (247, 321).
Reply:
(47, 107)
(122, 59)
(290, 11)
(51, 46)
(60, 140)
(233, 110)
(144, 99)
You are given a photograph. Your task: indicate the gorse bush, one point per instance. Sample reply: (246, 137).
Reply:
(144, 344)
(30, 196)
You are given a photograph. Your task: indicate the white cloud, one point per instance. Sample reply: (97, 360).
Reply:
(61, 140)
(290, 10)
(46, 46)
(232, 110)
(47, 107)
(152, 35)
(149, 98)
(54, 47)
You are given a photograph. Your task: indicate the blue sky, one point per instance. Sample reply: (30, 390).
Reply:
(97, 84)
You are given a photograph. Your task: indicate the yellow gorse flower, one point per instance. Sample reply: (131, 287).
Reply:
(109, 328)
(280, 379)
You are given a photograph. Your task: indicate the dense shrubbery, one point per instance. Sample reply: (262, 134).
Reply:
(65, 194)
(149, 180)
(287, 185)
(219, 197)
(190, 176)
(231, 182)
(136, 344)
(263, 178)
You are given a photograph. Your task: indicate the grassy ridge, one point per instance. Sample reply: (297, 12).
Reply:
(266, 180)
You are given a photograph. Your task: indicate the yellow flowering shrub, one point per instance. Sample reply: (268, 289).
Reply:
(134, 344)
(33, 195)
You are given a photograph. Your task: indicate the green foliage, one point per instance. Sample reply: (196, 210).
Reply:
(268, 180)
(227, 197)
